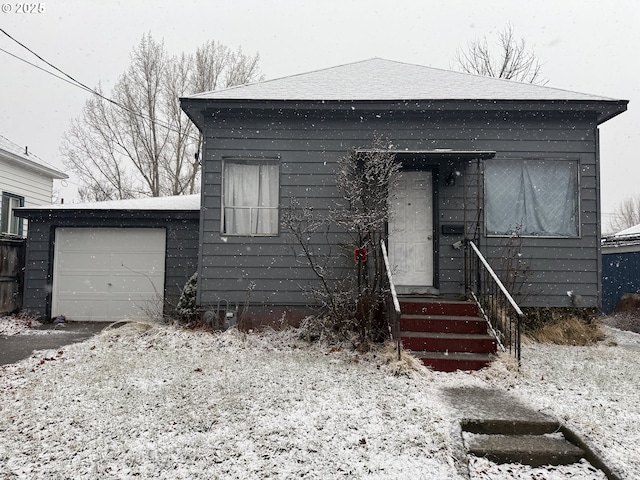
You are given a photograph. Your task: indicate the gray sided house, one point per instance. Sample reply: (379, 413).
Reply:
(513, 166)
(107, 261)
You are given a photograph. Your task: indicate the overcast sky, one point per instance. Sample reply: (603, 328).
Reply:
(589, 46)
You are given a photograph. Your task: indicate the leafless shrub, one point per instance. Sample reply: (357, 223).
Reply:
(513, 269)
(352, 303)
(153, 308)
(243, 318)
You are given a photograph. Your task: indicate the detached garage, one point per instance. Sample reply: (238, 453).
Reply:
(111, 260)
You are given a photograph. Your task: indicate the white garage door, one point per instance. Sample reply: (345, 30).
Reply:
(107, 274)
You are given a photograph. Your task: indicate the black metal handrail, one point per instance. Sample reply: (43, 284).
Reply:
(495, 302)
(393, 306)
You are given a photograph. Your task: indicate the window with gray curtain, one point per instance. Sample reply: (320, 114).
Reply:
(251, 194)
(532, 197)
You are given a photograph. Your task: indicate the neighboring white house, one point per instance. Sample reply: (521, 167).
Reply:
(25, 181)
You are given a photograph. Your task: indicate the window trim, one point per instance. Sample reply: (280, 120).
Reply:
(248, 160)
(574, 160)
(6, 222)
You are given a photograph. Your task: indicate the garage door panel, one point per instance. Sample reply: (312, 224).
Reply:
(69, 284)
(109, 283)
(135, 284)
(135, 308)
(81, 261)
(143, 263)
(82, 239)
(93, 308)
(106, 274)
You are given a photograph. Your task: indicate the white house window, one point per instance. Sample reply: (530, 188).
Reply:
(9, 223)
(250, 197)
(532, 197)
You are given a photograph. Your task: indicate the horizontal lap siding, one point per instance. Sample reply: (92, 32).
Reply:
(34, 187)
(308, 155)
(308, 149)
(556, 266)
(37, 281)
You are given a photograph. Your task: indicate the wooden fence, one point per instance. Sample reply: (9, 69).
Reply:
(11, 273)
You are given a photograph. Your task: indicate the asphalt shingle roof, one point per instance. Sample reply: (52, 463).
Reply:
(379, 79)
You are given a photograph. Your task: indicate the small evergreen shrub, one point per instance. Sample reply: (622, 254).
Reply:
(186, 308)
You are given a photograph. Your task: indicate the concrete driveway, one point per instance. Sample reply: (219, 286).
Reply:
(14, 348)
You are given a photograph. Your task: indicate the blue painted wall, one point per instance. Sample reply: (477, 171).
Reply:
(620, 274)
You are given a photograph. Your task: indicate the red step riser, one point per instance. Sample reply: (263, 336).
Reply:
(442, 365)
(443, 325)
(450, 344)
(439, 308)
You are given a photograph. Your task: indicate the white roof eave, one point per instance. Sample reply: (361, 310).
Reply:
(33, 166)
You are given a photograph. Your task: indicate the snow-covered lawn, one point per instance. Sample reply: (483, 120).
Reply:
(158, 402)
(592, 390)
(17, 325)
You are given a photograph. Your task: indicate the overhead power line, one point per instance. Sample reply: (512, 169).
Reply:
(43, 69)
(71, 80)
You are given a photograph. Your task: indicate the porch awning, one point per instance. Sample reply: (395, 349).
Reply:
(439, 153)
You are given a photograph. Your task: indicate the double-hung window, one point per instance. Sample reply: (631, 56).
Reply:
(532, 197)
(9, 223)
(250, 197)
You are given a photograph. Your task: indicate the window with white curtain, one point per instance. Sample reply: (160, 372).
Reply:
(250, 197)
(532, 197)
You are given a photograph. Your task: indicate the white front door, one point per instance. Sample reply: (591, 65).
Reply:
(411, 234)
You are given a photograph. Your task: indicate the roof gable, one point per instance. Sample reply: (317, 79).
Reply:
(379, 79)
(20, 156)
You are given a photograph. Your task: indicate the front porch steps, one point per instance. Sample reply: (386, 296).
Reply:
(446, 335)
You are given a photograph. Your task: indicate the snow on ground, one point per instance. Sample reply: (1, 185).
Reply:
(157, 402)
(18, 325)
(483, 469)
(173, 404)
(592, 390)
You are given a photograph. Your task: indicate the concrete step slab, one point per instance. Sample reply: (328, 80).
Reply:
(524, 426)
(533, 450)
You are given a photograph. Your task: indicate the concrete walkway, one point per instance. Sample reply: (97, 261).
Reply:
(14, 348)
(496, 425)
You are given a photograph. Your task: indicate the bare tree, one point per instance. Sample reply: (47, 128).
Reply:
(139, 142)
(511, 59)
(626, 214)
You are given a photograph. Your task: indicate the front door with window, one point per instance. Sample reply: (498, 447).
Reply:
(411, 234)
